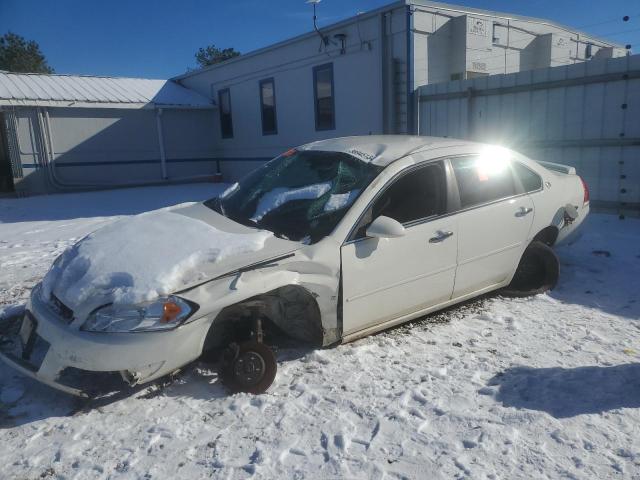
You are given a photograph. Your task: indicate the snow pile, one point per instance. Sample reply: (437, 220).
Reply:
(340, 200)
(141, 258)
(279, 196)
(534, 388)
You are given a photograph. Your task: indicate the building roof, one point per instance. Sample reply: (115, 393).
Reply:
(395, 4)
(381, 150)
(30, 89)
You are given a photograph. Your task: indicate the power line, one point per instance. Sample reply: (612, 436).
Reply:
(625, 18)
(619, 33)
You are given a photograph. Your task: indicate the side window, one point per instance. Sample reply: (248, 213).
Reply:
(323, 97)
(530, 180)
(268, 106)
(224, 104)
(482, 180)
(418, 194)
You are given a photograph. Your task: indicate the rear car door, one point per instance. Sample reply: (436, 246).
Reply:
(494, 221)
(383, 279)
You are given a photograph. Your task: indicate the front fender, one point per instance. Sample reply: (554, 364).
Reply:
(319, 279)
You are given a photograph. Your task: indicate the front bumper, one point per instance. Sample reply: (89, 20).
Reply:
(85, 363)
(12, 353)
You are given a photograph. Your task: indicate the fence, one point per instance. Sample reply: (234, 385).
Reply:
(586, 115)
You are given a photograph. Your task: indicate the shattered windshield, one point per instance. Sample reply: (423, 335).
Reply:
(300, 195)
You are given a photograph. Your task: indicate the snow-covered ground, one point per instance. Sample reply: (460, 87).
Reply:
(545, 387)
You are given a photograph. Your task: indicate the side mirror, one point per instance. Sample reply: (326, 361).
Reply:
(385, 227)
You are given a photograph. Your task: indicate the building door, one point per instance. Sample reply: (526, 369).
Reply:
(6, 175)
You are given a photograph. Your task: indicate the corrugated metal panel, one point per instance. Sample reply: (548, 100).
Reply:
(586, 115)
(12, 144)
(20, 89)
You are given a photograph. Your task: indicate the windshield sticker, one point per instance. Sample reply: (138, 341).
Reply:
(288, 153)
(363, 155)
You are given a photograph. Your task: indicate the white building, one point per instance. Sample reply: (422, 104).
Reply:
(358, 76)
(355, 77)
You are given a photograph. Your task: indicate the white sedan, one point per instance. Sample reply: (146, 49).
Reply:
(326, 243)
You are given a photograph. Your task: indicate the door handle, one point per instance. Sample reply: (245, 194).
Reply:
(524, 211)
(441, 235)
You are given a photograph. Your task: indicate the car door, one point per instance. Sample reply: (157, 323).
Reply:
(493, 223)
(386, 278)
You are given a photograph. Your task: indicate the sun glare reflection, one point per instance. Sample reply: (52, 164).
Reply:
(492, 161)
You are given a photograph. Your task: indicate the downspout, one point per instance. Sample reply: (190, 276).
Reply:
(163, 158)
(470, 94)
(409, 71)
(383, 73)
(389, 73)
(46, 146)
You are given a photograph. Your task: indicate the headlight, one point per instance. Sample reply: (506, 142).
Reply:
(165, 313)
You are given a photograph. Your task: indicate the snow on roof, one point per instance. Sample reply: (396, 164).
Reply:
(382, 149)
(30, 89)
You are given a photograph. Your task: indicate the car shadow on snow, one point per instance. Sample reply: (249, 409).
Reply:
(24, 400)
(567, 392)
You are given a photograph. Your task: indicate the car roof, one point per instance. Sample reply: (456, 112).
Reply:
(381, 150)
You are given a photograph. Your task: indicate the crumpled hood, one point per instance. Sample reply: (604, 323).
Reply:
(140, 258)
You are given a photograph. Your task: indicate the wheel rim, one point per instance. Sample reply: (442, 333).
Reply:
(249, 368)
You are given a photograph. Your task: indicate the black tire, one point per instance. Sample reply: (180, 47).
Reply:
(249, 367)
(537, 272)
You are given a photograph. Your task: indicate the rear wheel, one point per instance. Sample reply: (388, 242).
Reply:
(537, 272)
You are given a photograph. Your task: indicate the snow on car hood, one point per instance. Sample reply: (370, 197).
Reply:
(142, 257)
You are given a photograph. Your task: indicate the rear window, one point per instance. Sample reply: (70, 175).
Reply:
(530, 180)
(482, 180)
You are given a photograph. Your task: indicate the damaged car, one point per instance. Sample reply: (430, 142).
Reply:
(326, 243)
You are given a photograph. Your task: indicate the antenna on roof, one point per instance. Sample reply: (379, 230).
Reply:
(323, 38)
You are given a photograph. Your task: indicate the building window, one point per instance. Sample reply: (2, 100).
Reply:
(224, 105)
(323, 96)
(268, 106)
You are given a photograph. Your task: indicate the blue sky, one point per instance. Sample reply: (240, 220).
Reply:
(158, 39)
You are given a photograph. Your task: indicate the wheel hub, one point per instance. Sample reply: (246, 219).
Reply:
(249, 368)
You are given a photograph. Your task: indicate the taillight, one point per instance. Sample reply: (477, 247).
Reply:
(585, 187)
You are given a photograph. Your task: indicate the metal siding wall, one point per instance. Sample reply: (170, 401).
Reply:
(101, 148)
(104, 146)
(12, 144)
(583, 125)
(189, 142)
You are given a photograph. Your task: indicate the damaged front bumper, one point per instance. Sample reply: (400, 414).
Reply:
(27, 356)
(43, 346)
